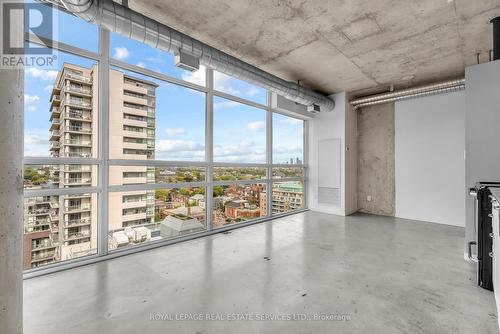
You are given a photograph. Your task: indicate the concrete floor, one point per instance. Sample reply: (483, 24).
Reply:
(388, 275)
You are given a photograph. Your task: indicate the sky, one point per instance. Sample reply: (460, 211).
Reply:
(239, 130)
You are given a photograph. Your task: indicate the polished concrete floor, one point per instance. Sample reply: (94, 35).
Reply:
(384, 275)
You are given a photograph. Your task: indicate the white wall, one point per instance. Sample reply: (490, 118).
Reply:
(326, 126)
(338, 124)
(429, 158)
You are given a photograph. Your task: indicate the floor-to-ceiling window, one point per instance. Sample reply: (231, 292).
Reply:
(124, 150)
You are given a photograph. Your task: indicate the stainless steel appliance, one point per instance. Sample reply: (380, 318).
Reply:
(484, 234)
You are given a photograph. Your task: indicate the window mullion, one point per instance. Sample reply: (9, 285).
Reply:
(269, 141)
(209, 148)
(103, 140)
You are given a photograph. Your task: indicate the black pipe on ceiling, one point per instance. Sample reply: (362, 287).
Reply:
(496, 37)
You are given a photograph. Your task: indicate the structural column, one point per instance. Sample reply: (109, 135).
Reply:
(11, 200)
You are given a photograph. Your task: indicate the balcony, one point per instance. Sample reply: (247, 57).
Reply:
(79, 129)
(77, 208)
(79, 103)
(55, 112)
(40, 200)
(78, 155)
(77, 222)
(77, 180)
(76, 115)
(77, 168)
(78, 90)
(76, 235)
(77, 142)
(39, 212)
(56, 122)
(40, 222)
(54, 145)
(44, 245)
(42, 256)
(55, 100)
(54, 134)
(78, 77)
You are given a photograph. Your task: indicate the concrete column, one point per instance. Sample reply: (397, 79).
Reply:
(11, 200)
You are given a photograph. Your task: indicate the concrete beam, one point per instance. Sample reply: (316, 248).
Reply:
(11, 200)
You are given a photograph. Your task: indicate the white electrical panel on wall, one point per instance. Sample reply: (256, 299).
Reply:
(329, 171)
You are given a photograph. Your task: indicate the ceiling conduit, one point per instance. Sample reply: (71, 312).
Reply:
(126, 22)
(404, 94)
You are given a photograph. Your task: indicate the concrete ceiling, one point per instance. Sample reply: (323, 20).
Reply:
(340, 45)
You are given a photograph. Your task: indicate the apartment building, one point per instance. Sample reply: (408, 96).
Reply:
(65, 227)
(287, 196)
(41, 231)
(132, 137)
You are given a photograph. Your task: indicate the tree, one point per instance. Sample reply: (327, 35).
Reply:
(185, 192)
(218, 191)
(161, 194)
(35, 178)
(159, 216)
(199, 191)
(28, 173)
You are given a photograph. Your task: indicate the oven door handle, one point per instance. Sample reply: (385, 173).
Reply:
(469, 252)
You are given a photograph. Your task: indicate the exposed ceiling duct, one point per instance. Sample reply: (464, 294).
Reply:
(404, 94)
(189, 51)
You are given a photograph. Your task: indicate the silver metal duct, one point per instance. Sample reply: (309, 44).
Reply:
(404, 94)
(124, 21)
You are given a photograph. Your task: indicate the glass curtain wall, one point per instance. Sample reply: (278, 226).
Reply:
(125, 150)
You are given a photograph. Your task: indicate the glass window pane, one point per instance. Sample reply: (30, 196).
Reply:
(239, 88)
(61, 108)
(239, 173)
(120, 175)
(142, 55)
(59, 176)
(66, 28)
(153, 119)
(238, 203)
(288, 140)
(283, 173)
(239, 132)
(58, 228)
(288, 196)
(136, 217)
